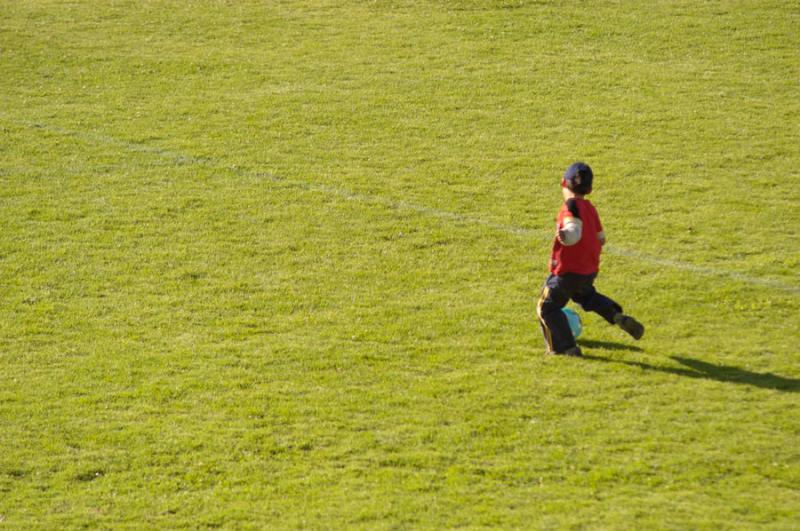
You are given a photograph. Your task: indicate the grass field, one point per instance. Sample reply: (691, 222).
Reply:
(274, 264)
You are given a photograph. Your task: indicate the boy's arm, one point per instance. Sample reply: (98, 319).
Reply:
(601, 234)
(570, 229)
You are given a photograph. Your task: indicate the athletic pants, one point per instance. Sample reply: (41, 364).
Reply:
(557, 291)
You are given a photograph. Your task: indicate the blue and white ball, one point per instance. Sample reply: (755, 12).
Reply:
(574, 321)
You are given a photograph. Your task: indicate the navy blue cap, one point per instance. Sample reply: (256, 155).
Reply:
(578, 178)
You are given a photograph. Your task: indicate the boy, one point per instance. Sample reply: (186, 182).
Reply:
(574, 263)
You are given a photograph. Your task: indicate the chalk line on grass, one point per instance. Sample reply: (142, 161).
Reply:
(183, 159)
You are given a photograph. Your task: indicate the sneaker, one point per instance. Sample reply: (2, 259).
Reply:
(574, 352)
(630, 325)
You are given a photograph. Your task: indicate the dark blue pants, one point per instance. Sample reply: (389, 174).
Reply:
(557, 291)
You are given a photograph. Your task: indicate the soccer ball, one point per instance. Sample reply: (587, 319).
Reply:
(574, 321)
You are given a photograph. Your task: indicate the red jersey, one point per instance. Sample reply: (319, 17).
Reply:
(582, 257)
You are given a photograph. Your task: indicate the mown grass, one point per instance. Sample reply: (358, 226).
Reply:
(274, 264)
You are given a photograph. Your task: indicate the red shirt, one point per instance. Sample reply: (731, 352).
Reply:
(583, 257)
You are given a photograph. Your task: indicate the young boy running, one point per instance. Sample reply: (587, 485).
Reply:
(574, 264)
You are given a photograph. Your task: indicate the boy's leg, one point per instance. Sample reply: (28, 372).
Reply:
(593, 301)
(555, 327)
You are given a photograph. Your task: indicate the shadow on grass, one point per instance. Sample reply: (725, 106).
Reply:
(709, 371)
(590, 343)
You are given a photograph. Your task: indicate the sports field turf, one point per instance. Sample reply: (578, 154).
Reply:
(274, 264)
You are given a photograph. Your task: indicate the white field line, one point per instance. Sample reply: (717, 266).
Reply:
(183, 159)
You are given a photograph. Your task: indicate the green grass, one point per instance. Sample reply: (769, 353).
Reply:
(274, 264)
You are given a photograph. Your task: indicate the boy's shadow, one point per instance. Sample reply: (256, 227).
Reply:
(608, 345)
(700, 369)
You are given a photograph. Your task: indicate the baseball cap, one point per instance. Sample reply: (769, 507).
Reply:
(578, 178)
